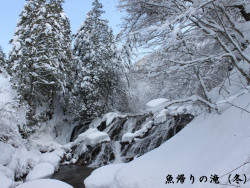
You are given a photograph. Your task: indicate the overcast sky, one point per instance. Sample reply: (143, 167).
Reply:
(76, 10)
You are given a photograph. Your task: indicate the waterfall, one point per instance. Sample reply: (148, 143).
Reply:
(130, 136)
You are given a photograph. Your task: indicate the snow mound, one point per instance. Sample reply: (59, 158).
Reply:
(156, 102)
(52, 158)
(45, 183)
(42, 170)
(211, 144)
(105, 176)
(7, 172)
(6, 152)
(5, 181)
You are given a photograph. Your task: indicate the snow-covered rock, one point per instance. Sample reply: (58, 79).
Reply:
(6, 152)
(109, 117)
(162, 116)
(128, 137)
(52, 158)
(42, 170)
(45, 183)
(96, 137)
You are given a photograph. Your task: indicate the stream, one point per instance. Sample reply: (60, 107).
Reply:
(73, 174)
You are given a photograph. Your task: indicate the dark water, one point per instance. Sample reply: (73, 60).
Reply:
(73, 174)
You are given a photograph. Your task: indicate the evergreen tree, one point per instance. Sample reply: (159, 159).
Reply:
(41, 54)
(97, 70)
(2, 60)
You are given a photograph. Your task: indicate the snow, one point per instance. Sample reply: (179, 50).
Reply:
(210, 144)
(105, 176)
(109, 117)
(162, 116)
(42, 170)
(42, 183)
(5, 182)
(129, 137)
(156, 102)
(6, 152)
(53, 158)
(96, 137)
(247, 8)
(48, 28)
(7, 172)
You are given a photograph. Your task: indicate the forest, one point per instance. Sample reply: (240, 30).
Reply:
(178, 116)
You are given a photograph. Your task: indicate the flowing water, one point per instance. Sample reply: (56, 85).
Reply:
(73, 174)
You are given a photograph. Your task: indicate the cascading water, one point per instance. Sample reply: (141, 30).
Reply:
(130, 136)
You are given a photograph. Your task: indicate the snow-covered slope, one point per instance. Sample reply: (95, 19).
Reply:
(210, 145)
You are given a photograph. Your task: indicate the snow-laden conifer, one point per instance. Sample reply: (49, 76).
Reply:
(41, 54)
(97, 70)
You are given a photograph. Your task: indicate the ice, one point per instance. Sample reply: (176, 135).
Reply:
(211, 144)
(6, 152)
(42, 170)
(5, 182)
(156, 102)
(45, 183)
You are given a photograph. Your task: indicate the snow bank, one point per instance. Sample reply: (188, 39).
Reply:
(215, 144)
(7, 172)
(42, 170)
(105, 176)
(5, 181)
(45, 183)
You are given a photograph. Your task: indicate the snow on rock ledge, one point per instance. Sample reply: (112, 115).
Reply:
(42, 170)
(96, 137)
(162, 116)
(128, 137)
(156, 102)
(45, 183)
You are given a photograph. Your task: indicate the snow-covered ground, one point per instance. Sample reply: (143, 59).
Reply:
(212, 144)
(19, 157)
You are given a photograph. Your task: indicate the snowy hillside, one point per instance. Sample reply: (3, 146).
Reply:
(210, 145)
